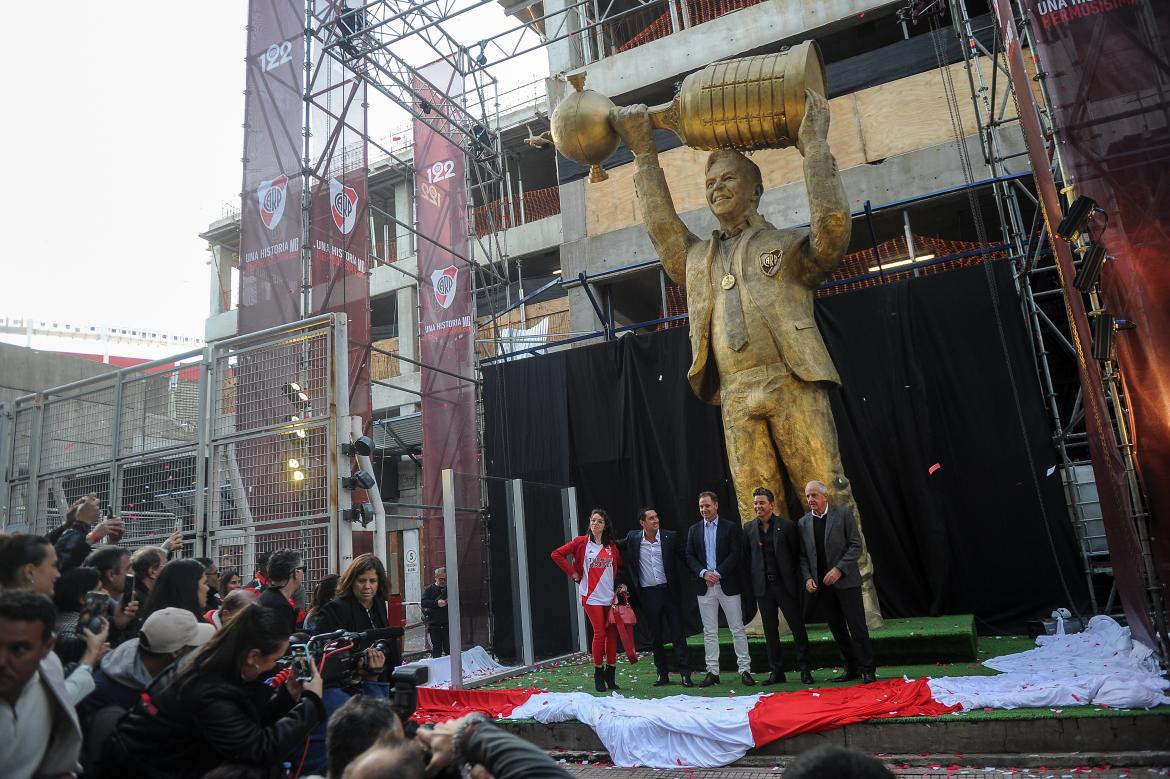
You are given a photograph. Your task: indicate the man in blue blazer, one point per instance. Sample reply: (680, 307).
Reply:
(830, 548)
(714, 555)
(653, 568)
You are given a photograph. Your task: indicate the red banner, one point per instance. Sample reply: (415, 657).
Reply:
(339, 234)
(270, 212)
(447, 339)
(1100, 72)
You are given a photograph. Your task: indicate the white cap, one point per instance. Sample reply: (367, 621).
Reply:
(171, 629)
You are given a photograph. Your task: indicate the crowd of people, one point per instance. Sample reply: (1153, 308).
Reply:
(144, 663)
(785, 567)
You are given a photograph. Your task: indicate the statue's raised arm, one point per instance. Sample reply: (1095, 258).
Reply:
(830, 220)
(670, 236)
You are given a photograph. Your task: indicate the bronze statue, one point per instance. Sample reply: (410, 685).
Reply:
(757, 350)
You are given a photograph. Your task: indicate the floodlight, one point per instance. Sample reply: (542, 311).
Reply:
(1090, 270)
(1076, 219)
(363, 513)
(362, 446)
(360, 479)
(296, 393)
(1103, 336)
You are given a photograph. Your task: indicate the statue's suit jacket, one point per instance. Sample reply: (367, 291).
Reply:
(786, 298)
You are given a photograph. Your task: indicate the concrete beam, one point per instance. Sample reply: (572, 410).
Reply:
(727, 36)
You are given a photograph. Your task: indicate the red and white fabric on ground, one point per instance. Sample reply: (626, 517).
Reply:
(691, 730)
(1102, 666)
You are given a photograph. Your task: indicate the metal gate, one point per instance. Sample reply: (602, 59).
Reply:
(236, 445)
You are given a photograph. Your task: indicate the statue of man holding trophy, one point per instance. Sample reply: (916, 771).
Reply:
(757, 352)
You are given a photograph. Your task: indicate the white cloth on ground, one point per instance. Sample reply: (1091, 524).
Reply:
(476, 662)
(679, 731)
(1101, 666)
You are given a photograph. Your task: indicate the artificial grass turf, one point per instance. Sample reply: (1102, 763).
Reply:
(636, 681)
(910, 641)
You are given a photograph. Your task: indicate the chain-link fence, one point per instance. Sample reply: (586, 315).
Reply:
(236, 446)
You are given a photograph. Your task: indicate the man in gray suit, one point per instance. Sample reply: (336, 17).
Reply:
(830, 547)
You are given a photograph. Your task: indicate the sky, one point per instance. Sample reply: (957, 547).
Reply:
(122, 133)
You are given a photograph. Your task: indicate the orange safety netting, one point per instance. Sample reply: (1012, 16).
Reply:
(500, 214)
(700, 11)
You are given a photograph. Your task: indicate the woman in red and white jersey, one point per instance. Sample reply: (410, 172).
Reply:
(595, 564)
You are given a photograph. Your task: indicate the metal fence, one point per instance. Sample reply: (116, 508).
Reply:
(236, 445)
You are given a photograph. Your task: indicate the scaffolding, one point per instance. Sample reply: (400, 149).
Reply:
(1035, 273)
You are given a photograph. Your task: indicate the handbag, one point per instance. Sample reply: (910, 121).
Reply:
(623, 613)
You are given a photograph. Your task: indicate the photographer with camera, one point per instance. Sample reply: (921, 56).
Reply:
(360, 606)
(216, 709)
(365, 664)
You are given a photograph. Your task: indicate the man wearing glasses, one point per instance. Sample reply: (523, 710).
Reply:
(286, 572)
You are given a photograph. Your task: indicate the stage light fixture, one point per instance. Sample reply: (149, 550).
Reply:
(424, 106)
(363, 513)
(1103, 336)
(296, 393)
(359, 480)
(363, 446)
(1090, 270)
(1076, 219)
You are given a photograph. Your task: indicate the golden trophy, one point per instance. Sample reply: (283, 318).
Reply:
(744, 103)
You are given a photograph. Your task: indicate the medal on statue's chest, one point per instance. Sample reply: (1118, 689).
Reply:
(770, 261)
(728, 281)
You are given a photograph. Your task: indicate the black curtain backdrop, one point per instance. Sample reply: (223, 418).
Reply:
(924, 383)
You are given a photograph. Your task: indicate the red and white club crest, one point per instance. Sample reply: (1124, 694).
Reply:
(343, 206)
(271, 195)
(445, 282)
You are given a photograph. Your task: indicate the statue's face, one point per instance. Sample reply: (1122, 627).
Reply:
(729, 190)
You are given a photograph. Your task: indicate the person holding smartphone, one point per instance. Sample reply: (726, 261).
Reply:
(168, 732)
(86, 529)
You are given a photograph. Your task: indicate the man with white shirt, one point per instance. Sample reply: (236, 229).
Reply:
(39, 733)
(714, 554)
(653, 569)
(830, 548)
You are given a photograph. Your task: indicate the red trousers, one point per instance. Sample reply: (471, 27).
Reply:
(604, 634)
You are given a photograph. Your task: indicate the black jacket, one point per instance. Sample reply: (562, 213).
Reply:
(276, 600)
(785, 546)
(507, 756)
(72, 547)
(673, 561)
(432, 611)
(210, 721)
(346, 613)
(728, 553)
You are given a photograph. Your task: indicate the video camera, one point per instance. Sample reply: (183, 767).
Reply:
(340, 654)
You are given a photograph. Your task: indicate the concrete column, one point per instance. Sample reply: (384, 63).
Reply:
(407, 298)
(404, 211)
(561, 53)
(582, 317)
(222, 261)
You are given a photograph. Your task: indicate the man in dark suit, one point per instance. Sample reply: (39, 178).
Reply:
(653, 569)
(830, 548)
(714, 553)
(773, 546)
